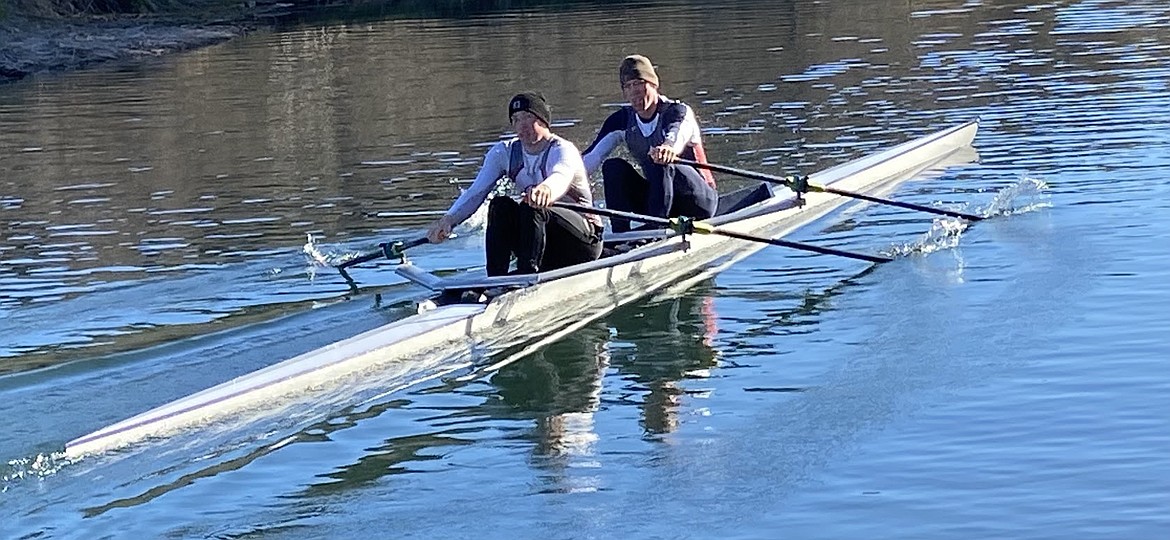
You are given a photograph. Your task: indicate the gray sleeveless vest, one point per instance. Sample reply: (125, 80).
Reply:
(639, 145)
(516, 159)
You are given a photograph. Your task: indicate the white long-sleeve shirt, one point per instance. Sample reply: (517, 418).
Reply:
(564, 173)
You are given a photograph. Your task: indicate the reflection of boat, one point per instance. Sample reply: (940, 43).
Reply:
(594, 287)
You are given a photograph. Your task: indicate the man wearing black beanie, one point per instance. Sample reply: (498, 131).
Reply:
(544, 168)
(531, 102)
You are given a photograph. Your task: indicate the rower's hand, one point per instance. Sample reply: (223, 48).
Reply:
(440, 230)
(663, 155)
(539, 196)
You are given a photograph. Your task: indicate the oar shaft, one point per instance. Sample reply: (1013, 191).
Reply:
(805, 247)
(613, 213)
(737, 172)
(900, 204)
(388, 250)
(414, 243)
(361, 259)
(827, 189)
(724, 232)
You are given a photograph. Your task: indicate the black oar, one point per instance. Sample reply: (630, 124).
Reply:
(802, 185)
(689, 226)
(388, 250)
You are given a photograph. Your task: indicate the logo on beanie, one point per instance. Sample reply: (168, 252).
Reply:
(517, 104)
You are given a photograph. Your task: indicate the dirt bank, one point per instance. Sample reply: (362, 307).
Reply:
(42, 39)
(33, 46)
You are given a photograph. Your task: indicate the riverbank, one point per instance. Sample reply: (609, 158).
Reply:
(45, 36)
(37, 46)
(43, 41)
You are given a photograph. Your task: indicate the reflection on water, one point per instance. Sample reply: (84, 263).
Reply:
(662, 344)
(559, 386)
(650, 350)
(548, 402)
(550, 398)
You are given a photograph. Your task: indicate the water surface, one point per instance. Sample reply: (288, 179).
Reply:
(1008, 386)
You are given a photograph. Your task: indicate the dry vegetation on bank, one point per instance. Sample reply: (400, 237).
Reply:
(57, 35)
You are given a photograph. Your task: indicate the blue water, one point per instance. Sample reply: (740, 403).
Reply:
(1007, 385)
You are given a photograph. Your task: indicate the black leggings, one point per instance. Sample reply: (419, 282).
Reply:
(542, 239)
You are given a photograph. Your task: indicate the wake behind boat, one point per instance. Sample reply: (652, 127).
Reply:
(468, 310)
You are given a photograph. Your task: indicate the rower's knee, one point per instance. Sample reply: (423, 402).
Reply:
(501, 206)
(526, 213)
(614, 168)
(621, 183)
(501, 202)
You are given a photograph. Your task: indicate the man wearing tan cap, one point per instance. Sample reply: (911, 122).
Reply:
(656, 129)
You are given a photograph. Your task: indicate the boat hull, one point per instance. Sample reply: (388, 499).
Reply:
(592, 289)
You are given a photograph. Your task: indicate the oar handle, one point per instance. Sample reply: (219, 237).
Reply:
(801, 184)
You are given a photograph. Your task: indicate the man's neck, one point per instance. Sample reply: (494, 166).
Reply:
(538, 145)
(648, 114)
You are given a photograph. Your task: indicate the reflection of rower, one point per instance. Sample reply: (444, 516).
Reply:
(560, 387)
(672, 340)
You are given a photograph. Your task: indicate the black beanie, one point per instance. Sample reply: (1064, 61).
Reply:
(532, 102)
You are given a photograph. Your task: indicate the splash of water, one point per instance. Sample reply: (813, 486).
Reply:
(944, 233)
(39, 466)
(317, 258)
(1027, 195)
(314, 255)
